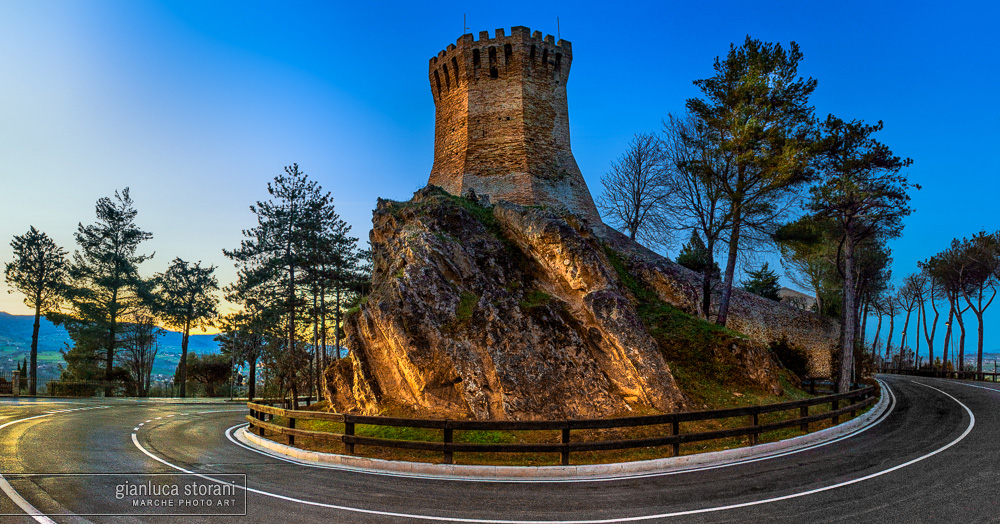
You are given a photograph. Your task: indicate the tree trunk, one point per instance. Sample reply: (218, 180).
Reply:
(727, 284)
(184, 356)
(848, 322)
(863, 328)
(979, 355)
(706, 280)
(945, 355)
(878, 333)
(33, 377)
(336, 321)
(902, 340)
(930, 337)
(961, 340)
(888, 340)
(252, 388)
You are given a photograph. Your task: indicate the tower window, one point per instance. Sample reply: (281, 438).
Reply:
(475, 63)
(558, 61)
(454, 67)
(493, 63)
(447, 77)
(545, 58)
(507, 52)
(437, 80)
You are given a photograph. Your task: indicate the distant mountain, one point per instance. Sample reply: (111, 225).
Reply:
(15, 345)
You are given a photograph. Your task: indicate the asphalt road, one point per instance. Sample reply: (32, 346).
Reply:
(935, 457)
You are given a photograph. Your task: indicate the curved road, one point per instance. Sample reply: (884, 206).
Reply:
(933, 457)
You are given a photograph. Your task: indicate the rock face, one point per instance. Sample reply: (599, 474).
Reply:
(514, 312)
(503, 313)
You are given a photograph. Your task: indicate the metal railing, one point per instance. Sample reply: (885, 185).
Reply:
(261, 419)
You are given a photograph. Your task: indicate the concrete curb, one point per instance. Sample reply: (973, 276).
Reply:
(590, 471)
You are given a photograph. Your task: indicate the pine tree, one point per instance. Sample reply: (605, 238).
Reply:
(756, 113)
(276, 256)
(38, 271)
(763, 282)
(184, 300)
(694, 256)
(104, 287)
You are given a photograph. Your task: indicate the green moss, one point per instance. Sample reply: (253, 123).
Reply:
(535, 298)
(466, 305)
(697, 351)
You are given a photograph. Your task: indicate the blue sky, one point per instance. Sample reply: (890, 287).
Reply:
(196, 105)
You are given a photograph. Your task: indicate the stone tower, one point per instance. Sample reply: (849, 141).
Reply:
(502, 121)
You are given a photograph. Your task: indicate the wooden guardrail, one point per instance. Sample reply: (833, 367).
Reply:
(261, 420)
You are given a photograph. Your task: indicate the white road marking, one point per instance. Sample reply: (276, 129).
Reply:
(571, 480)
(16, 497)
(972, 423)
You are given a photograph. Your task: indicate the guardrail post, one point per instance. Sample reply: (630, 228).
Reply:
(448, 438)
(812, 386)
(754, 421)
(15, 384)
(348, 431)
(260, 428)
(565, 452)
(835, 405)
(675, 429)
(291, 425)
(803, 413)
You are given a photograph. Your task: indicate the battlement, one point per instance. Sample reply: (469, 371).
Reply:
(518, 33)
(501, 119)
(527, 52)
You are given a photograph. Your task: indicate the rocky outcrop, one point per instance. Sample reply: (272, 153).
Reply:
(503, 313)
(514, 312)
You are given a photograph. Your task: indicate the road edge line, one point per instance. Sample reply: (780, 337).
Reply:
(580, 473)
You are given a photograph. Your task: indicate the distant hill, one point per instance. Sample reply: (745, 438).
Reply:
(15, 345)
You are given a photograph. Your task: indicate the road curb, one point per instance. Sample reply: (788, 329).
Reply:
(594, 471)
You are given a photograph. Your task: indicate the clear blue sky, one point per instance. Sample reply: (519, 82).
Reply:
(196, 105)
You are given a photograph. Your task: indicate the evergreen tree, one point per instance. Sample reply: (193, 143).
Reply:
(276, 256)
(863, 192)
(39, 272)
(694, 256)
(756, 115)
(185, 299)
(763, 282)
(104, 287)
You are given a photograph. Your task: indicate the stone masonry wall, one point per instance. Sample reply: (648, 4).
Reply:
(502, 121)
(760, 319)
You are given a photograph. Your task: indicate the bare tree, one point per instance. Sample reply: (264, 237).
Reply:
(695, 200)
(139, 346)
(634, 194)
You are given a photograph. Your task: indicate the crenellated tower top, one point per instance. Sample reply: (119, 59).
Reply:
(502, 120)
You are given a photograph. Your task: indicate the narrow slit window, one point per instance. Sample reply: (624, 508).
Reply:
(558, 61)
(447, 77)
(545, 58)
(475, 63)
(493, 63)
(508, 52)
(454, 67)
(437, 80)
